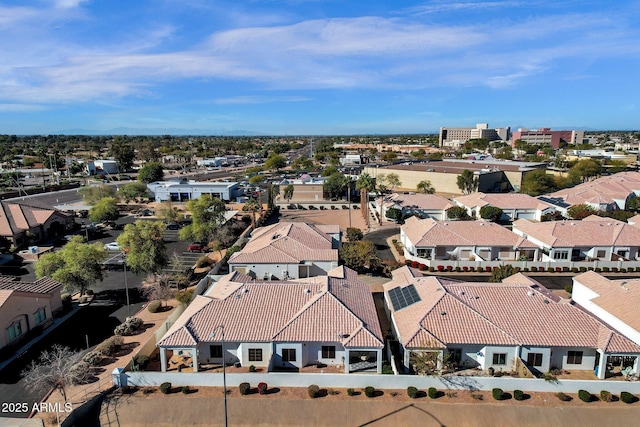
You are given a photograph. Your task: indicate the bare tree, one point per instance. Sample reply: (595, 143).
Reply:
(56, 368)
(157, 287)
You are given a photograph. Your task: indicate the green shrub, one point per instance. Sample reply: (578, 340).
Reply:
(369, 391)
(584, 395)
(313, 391)
(109, 346)
(627, 397)
(605, 269)
(142, 360)
(432, 392)
(165, 388)
(497, 393)
(148, 390)
(412, 392)
(154, 306)
(350, 392)
(605, 396)
(93, 358)
(518, 394)
(185, 389)
(262, 388)
(564, 397)
(252, 368)
(244, 388)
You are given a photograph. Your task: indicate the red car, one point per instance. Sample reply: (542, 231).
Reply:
(198, 247)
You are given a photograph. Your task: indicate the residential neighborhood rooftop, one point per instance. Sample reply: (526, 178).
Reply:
(621, 297)
(502, 201)
(289, 242)
(591, 231)
(336, 307)
(429, 232)
(451, 312)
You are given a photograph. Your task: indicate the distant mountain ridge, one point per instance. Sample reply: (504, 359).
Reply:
(156, 131)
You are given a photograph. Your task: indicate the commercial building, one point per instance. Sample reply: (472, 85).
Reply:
(183, 190)
(493, 176)
(456, 137)
(543, 136)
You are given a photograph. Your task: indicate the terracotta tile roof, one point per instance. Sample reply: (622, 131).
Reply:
(452, 313)
(620, 298)
(337, 307)
(16, 216)
(591, 231)
(44, 285)
(288, 242)
(5, 294)
(502, 200)
(604, 190)
(418, 201)
(429, 232)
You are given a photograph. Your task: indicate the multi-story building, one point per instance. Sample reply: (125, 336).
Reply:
(547, 136)
(455, 137)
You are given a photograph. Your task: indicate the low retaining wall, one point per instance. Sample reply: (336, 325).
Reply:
(277, 379)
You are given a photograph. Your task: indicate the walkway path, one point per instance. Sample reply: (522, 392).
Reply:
(79, 394)
(178, 409)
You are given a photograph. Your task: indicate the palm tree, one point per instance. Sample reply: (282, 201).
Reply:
(425, 187)
(288, 192)
(252, 206)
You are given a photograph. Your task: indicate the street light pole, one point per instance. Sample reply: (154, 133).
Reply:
(224, 372)
(126, 283)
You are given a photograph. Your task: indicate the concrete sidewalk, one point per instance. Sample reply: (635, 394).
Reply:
(80, 394)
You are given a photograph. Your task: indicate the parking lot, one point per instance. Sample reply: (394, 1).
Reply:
(180, 258)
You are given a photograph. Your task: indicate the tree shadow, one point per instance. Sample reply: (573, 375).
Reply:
(273, 390)
(405, 408)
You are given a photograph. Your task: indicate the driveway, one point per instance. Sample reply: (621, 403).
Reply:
(379, 238)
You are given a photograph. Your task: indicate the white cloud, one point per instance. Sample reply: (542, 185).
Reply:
(260, 99)
(364, 52)
(20, 108)
(68, 4)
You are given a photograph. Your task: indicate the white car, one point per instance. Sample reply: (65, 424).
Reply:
(113, 246)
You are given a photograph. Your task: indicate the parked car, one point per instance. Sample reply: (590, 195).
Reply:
(112, 246)
(173, 226)
(198, 247)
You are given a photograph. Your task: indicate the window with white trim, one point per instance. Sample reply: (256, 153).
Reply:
(499, 358)
(255, 355)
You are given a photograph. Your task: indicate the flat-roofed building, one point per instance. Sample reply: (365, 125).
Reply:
(543, 136)
(493, 176)
(455, 137)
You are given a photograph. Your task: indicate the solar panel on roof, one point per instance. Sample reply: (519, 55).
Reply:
(403, 297)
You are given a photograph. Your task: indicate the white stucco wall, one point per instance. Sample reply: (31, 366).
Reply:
(583, 296)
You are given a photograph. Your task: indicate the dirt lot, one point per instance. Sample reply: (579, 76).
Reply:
(338, 216)
(291, 406)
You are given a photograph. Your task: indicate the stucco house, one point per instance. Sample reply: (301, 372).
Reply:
(502, 326)
(593, 238)
(513, 205)
(420, 205)
(288, 250)
(607, 193)
(616, 302)
(26, 307)
(330, 319)
(428, 241)
(27, 222)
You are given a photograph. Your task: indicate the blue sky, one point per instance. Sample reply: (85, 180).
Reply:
(317, 66)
